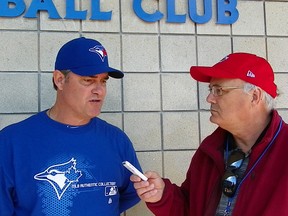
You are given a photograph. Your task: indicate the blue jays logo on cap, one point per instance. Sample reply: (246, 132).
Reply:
(100, 50)
(85, 57)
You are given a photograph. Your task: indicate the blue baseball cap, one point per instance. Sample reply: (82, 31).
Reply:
(85, 57)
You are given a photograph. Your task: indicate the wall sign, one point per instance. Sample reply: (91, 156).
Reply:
(227, 12)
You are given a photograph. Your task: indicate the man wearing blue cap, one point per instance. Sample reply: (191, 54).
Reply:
(64, 160)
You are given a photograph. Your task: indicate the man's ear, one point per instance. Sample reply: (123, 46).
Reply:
(257, 95)
(59, 79)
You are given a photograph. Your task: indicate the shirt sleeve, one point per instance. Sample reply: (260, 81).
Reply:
(173, 202)
(128, 195)
(6, 183)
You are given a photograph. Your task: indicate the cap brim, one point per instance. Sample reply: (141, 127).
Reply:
(204, 74)
(94, 70)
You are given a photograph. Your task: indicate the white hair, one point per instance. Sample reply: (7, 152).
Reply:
(269, 100)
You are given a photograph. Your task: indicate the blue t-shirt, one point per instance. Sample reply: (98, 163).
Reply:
(48, 168)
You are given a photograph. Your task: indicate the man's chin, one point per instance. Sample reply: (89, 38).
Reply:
(94, 114)
(213, 119)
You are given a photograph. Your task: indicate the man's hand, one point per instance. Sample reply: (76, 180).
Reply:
(151, 190)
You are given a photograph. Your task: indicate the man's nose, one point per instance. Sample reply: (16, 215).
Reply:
(210, 98)
(98, 88)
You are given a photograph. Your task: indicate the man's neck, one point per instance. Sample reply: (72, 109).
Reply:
(252, 133)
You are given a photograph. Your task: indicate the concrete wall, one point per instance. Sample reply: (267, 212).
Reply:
(157, 104)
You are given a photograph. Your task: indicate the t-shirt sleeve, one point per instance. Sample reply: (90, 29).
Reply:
(128, 195)
(6, 183)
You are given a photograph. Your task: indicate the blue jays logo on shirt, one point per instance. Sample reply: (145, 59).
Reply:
(100, 50)
(60, 176)
(64, 181)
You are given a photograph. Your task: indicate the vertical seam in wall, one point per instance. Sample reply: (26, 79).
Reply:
(161, 95)
(197, 84)
(265, 29)
(121, 68)
(38, 62)
(121, 65)
(80, 21)
(231, 38)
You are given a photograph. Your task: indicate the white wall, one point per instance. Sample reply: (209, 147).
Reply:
(157, 104)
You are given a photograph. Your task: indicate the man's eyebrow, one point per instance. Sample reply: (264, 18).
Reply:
(211, 85)
(96, 76)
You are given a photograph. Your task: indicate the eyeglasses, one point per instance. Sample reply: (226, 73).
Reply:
(219, 90)
(230, 178)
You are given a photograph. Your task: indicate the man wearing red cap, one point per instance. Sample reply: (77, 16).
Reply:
(240, 169)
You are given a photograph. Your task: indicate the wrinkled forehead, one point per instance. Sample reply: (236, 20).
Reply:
(226, 82)
(101, 75)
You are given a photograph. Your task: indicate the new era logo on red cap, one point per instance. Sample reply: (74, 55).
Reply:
(250, 74)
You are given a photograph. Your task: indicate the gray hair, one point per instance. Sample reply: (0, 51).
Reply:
(269, 100)
(65, 72)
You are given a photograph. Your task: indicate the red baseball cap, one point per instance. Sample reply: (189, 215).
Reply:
(245, 66)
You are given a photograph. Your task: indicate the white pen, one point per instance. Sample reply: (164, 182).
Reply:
(134, 170)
